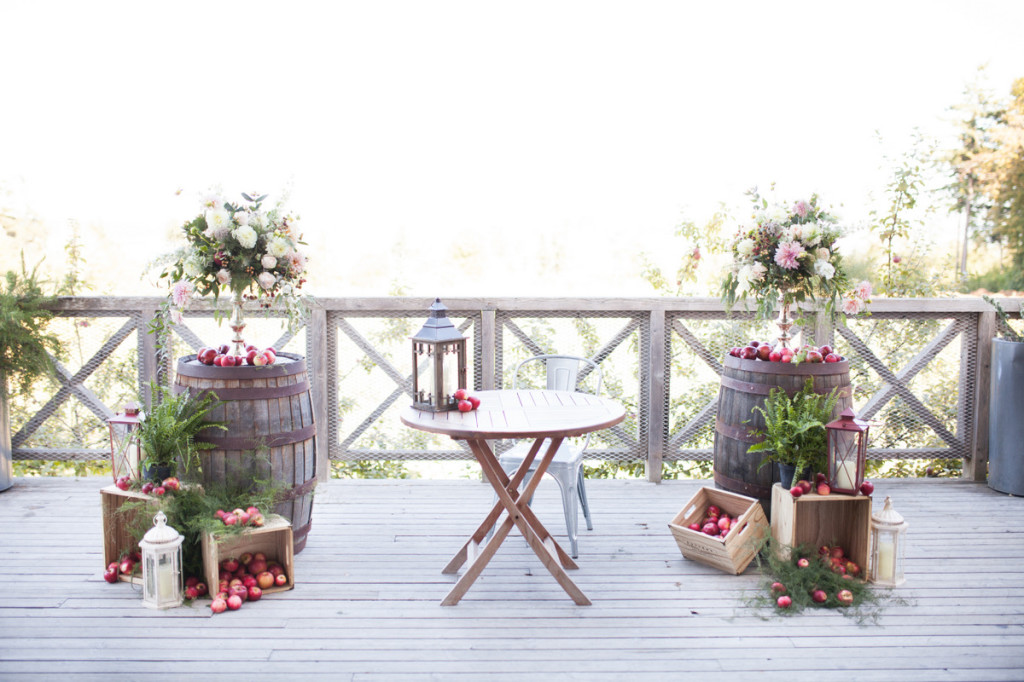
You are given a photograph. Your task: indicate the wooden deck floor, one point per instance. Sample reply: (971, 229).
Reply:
(366, 606)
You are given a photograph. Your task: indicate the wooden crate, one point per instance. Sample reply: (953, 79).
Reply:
(117, 525)
(733, 553)
(273, 538)
(816, 520)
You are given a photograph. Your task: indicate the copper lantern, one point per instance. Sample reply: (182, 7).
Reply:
(125, 449)
(847, 451)
(438, 362)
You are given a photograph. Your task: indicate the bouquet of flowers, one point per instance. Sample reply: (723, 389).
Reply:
(789, 255)
(241, 248)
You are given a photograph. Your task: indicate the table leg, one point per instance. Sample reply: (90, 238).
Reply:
(519, 514)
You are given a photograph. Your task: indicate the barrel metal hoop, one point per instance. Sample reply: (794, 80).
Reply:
(740, 433)
(255, 393)
(754, 388)
(255, 442)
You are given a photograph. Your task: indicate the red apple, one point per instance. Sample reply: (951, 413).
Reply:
(256, 520)
(234, 602)
(819, 596)
(123, 483)
(171, 483)
(245, 558)
(270, 356)
(820, 478)
(278, 569)
(711, 529)
(159, 491)
(713, 510)
(825, 349)
(207, 355)
(764, 352)
(867, 487)
(259, 556)
(191, 593)
(265, 579)
(219, 605)
(796, 491)
(249, 581)
(734, 351)
(257, 566)
(126, 566)
(258, 360)
(837, 552)
(474, 401)
(802, 562)
(778, 588)
(250, 356)
(255, 593)
(814, 356)
(784, 602)
(824, 489)
(724, 524)
(191, 581)
(465, 406)
(695, 526)
(832, 357)
(281, 580)
(147, 487)
(202, 589)
(805, 486)
(110, 575)
(775, 356)
(748, 353)
(241, 591)
(460, 394)
(845, 597)
(230, 565)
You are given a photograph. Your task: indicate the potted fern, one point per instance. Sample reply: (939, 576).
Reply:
(794, 433)
(168, 431)
(25, 347)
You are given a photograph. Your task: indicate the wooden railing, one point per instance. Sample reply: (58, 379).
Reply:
(664, 355)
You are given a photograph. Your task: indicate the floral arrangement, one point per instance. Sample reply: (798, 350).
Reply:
(241, 248)
(789, 255)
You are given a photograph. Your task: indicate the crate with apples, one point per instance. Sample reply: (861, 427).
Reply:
(120, 548)
(815, 520)
(260, 556)
(720, 529)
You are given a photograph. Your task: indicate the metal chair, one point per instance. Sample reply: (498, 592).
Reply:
(563, 374)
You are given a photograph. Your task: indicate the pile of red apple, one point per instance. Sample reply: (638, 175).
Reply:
(763, 350)
(715, 523)
(818, 595)
(149, 487)
(221, 356)
(467, 402)
(239, 517)
(823, 488)
(126, 566)
(244, 579)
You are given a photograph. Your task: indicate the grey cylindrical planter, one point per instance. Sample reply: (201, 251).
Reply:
(1006, 418)
(6, 474)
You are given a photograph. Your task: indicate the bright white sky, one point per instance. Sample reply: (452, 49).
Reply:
(499, 125)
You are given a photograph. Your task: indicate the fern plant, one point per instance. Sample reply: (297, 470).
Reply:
(168, 432)
(794, 431)
(25, 345)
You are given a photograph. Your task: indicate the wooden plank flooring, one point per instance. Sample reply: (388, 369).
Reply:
(367, 603)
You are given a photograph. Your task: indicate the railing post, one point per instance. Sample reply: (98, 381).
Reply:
(318, 357)
(488, 350)
(824, 330)
(976, 468)
(150, 366)
(656, 394)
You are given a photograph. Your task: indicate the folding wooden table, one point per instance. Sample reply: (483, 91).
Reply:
(520, 414)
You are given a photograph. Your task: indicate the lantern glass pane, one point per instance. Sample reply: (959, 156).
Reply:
(450, 375)
(424, 373)
(149, 593)
(844, 459)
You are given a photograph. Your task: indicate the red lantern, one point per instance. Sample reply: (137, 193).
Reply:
(847, 451)
(125, 449)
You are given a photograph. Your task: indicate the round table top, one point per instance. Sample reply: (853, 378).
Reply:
(521, 414)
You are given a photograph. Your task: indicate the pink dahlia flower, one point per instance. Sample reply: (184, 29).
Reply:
(852, 306)
(802, 208)
(788, 255)
(863, 290)
(181, 292)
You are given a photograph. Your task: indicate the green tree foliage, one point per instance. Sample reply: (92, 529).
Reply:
(25, 343)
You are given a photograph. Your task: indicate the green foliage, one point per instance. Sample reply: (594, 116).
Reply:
(801, 582)
(795, 427)
(370, 469)
(36, 468)
(1008, 331)
(25, 343)
(168, 432)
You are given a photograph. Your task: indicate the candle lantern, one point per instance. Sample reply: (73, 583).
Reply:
(125, 450)
(888, 533)
(438, 362)
(847, 450)
(161, 565)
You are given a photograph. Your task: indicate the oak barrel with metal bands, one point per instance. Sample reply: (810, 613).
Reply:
(745, 385)
(271, 435)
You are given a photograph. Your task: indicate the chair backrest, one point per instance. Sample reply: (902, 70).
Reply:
(564, 372)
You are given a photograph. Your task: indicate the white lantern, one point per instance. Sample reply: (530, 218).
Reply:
(161, 565)
(888, 542)
(125, 450)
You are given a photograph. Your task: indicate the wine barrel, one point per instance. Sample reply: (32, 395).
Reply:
(271, 435)
(745, 385)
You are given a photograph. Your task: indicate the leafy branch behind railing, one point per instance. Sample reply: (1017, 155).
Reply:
(1004, 317)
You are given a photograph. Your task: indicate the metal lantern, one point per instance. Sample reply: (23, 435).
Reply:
(847, 450)
(438, 362)
(888, 541)
(161, 565)
(125, 450)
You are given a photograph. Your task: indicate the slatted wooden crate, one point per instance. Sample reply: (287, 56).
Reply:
(118, 525)
(736, 550)
(274, 539)
(815, 520)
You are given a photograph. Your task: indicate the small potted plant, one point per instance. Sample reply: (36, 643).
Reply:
(794, 433)
(167, 432)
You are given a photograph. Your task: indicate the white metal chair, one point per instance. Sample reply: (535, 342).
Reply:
(563, 374)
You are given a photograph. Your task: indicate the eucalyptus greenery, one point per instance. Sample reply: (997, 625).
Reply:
(25, 344)
(795, 427)
(1004, 317)
(167, 434)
